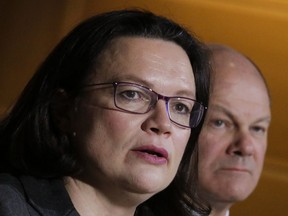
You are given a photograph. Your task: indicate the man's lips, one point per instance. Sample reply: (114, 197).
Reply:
(235, 169)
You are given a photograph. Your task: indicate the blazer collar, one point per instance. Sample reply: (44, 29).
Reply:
(48, 197)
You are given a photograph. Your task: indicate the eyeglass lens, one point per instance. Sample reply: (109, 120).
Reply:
(138, 99)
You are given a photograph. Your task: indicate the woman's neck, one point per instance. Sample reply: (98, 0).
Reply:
(89, 201)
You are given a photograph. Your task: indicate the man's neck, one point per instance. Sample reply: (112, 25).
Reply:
(220, 208)
(224, 212)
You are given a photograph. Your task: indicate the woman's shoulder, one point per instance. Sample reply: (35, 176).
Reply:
(10, 184)
(8, 178)
(12, 199)
(28, 195)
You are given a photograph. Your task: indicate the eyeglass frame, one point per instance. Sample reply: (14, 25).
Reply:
(151, 105)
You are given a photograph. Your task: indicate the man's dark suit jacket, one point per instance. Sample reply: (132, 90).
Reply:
(28, 196)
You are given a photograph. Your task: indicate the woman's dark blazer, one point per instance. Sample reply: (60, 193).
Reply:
(29, 196)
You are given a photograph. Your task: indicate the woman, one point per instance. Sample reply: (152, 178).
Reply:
(102, 127)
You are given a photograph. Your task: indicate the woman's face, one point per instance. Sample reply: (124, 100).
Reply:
(132, 153)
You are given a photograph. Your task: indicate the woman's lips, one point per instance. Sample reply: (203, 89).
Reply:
(152, 154)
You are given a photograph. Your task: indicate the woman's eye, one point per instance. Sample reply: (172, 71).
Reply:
(132, 95)
(182, 108)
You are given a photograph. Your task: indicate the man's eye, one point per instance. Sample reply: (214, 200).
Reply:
(259, 129)
(218, 123)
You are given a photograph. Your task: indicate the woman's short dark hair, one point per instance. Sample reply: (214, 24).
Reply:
(30, 141)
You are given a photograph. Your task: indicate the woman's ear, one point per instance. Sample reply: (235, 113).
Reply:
(61, 109)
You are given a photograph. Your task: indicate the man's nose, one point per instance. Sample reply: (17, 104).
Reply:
(243, 144)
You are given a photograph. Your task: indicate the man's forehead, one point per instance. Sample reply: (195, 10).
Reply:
(229, 64)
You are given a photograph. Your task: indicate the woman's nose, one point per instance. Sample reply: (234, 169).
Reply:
(158, 120)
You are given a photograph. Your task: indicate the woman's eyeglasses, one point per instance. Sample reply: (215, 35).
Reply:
(139, 99)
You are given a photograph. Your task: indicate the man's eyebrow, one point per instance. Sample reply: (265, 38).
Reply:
(222, 109)
(264, 119)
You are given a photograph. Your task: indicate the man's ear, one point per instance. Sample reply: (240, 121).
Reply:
(61, 109)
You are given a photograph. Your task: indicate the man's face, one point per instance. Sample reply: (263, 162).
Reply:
(233, 141)
(124, 153)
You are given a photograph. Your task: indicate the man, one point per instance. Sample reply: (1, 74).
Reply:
(233, 141)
